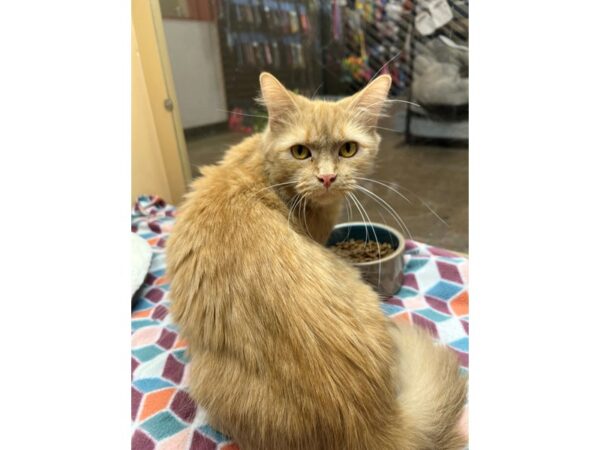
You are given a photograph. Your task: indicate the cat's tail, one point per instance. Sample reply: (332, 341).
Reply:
(431, 392)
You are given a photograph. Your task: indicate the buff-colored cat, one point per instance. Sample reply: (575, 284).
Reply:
(289, 348)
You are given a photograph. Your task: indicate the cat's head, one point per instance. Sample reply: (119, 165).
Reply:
(321, 148)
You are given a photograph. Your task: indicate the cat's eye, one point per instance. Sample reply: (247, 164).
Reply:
(300, 151)
(348, 149)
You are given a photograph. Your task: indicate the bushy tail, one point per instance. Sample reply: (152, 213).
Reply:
(432, 392)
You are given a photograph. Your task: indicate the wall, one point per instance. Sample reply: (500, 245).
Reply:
(148, 174)
(197, 71)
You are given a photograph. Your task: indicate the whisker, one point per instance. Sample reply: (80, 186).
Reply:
(317, 90)
(272, 186)
(376, 240)
(294, 200)
(387, 206)
(242, 114)
(423, 202)
(353, 198)
(394, 100)
(387, 186)
(304, 212)
(348, 217)
(385, 64)
(387, 129)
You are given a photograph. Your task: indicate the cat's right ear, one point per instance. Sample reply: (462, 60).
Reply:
(277, 99)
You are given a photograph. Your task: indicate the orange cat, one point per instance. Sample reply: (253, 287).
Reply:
(288, 346)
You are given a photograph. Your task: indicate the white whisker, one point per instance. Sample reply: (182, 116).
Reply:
(423, 202)
(387, 206)
(376, 240)
(385, 185)
(353, 198)
(304, 197)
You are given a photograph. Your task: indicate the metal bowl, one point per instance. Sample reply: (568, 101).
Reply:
(385, 274)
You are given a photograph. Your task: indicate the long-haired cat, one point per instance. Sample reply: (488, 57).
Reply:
(289, 348)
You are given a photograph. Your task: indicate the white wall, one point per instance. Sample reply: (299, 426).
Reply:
(197, 71)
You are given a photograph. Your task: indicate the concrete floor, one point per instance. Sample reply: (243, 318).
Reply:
(437, 175)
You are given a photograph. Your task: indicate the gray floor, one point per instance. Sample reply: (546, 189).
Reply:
(437, 176)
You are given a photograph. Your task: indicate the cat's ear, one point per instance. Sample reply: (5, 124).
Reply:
(368, 103)
(278, 100)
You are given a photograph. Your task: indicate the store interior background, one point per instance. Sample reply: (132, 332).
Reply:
(330, 49)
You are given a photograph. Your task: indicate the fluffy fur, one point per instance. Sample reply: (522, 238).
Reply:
(289, 348)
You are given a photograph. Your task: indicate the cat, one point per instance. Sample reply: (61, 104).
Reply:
(288, 346)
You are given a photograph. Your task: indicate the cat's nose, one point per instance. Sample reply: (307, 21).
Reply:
(327, 179)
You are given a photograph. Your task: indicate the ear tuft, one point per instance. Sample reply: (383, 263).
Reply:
(369, 102)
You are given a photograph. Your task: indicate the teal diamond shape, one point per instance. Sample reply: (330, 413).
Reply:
(180, 355)
(444, 290)
(414, 264)
(461, 344)
(147, 353)
(433, 315)
(136, 324)
(389, 309)
(151, 384)
(213, 434)
(406, 292)
(162, 425)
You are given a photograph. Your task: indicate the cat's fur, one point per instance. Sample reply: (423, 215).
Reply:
(289, 348)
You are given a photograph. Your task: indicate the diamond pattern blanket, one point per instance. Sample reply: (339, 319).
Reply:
(434, 295)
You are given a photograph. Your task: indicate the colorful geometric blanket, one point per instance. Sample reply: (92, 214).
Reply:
(434, 295)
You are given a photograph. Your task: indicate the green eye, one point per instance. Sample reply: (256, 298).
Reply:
(348, 150)
(300, 151)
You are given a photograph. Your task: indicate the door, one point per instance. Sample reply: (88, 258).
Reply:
(156, 69)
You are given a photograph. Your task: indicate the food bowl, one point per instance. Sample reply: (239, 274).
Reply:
(385, 274)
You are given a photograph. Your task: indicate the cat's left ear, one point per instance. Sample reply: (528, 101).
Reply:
(278, 100)
(369, 102)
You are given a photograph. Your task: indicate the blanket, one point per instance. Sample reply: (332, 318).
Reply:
(434, 295)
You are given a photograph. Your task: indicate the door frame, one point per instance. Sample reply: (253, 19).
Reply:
(148, 25)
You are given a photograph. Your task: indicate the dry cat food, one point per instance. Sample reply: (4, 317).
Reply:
(357, 250)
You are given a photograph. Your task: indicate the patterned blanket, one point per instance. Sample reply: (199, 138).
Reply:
(434, 295)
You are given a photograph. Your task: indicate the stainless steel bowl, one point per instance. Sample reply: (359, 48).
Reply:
(385, 275)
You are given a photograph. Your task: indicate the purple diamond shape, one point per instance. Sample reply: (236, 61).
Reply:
(141, 441)
(173, 370)
(136, 399)
(395, 301)
(425, 323)
(154, 294)
(134, 364)
(184, 406)
(411, 281)
(150, 279)
(438, 305)
(441, 252)
(160, 312)
(166, 339)
(201, 442)
(449, 272)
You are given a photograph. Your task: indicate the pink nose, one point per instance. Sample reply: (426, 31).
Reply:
(327, 179)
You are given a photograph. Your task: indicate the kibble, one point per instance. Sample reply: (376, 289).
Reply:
(357, 250)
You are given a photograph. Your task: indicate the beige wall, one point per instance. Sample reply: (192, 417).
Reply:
(148, 174)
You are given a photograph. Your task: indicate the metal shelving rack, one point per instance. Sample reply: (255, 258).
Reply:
(260, 35)
(453, 124)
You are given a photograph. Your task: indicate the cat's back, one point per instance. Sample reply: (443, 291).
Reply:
(217, 225)
(223, 192)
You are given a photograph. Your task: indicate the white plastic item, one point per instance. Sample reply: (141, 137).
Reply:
(141, 257)
(434, 14)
